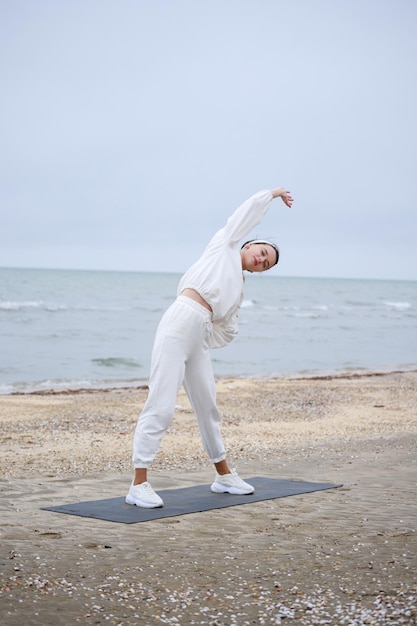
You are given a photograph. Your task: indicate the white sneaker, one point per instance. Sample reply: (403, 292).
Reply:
(231, 483)
(143, 495)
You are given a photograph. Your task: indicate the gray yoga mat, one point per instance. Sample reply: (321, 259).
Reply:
(187, 500)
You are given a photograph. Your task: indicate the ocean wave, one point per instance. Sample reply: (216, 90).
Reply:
(43, 385)
(360, 303)
(400, 306)
(69, 385)
(7, 305)
(52, 307)
(246, 304)
(117, 362)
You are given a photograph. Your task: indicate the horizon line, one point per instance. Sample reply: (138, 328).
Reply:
(179, 273)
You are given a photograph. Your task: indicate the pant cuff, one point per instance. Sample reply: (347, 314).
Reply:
(218, 459)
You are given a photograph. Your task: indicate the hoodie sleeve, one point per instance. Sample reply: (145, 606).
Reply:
(247, 216)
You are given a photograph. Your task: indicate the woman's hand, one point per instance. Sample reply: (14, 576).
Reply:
(280, 192)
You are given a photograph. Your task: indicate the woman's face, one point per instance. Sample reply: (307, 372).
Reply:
(258, 257)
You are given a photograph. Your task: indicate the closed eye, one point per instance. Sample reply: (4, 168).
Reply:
(266, 263)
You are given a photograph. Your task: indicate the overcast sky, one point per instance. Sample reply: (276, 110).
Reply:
(131, 130)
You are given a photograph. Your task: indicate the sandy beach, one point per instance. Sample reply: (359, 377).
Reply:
(342, 556)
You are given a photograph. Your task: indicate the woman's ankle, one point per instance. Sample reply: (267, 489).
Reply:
(222, 468)
(141, 475)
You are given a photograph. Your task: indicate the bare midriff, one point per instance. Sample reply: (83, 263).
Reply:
(194, 295)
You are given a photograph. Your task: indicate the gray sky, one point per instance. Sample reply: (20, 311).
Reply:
(131, 129)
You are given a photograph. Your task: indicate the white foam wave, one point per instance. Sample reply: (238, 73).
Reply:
(67, 385)
(246, 304)
(7, 305)
(400, 306)
(25, 305)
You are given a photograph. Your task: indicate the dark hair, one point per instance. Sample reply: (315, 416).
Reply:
(268, 243)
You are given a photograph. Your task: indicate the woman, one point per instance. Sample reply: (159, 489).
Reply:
(203, 316)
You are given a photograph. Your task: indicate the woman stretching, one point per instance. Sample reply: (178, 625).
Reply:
(203, 316)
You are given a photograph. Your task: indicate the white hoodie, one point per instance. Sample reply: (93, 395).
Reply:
(217, 275)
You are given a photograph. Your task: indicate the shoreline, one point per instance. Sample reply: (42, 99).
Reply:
(108, 385)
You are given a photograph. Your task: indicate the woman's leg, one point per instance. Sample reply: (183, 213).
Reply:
(164, 384)
(166, 376)
(200, 387)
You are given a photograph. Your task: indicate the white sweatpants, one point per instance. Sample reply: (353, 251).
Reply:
(180, 356)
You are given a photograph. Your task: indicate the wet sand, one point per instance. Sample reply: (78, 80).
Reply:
(329, 557)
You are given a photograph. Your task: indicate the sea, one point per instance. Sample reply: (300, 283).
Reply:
(73, 329)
